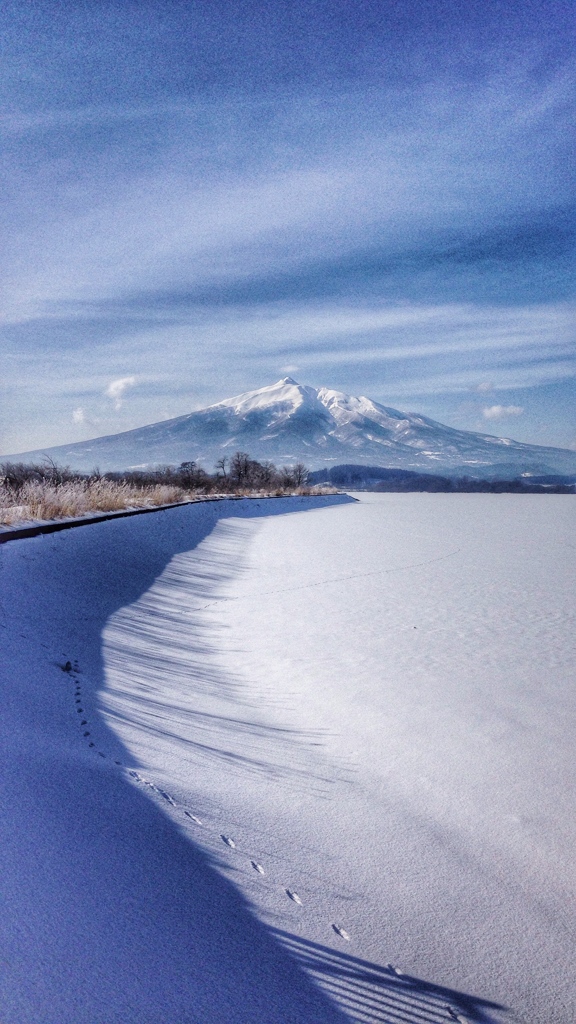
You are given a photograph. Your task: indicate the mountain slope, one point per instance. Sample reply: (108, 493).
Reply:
(288, 422)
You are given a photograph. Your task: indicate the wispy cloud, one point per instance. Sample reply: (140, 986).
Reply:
(500, 412)
(79, 416)
(117, 388)
(399, 229)
(359, 194)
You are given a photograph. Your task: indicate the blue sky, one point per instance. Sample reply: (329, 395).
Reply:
(201, 198)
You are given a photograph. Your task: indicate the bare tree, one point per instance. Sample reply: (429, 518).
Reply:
(221, 464)
(187, 474)
(57, 475)
(269, 474)
(240, 468)
(286, 478)
(299, 474)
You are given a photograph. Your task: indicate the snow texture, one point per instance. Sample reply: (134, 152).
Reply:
(369, 706)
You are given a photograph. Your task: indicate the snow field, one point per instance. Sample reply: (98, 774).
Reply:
(432, 640)
(330, 772)
(405, 742)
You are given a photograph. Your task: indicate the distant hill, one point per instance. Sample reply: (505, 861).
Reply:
(377, 478)
(288, 422)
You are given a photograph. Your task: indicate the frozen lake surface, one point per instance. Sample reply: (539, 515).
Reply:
(370, 711)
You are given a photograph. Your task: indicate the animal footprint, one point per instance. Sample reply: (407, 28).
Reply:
(193, 817)
(456, 1016)
(229, 842)
(293, 896)
(257, 867)
(167, 797)
(341, 932)
(135, 775)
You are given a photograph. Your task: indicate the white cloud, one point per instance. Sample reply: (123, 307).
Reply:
(499, 412)
(440, 154)
(484, 386)
(116, 389)
(78, 416)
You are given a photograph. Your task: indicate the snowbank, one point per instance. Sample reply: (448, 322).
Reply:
(278, 768)
(111, 912)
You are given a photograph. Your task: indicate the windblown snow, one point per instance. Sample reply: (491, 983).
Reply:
(292, 761)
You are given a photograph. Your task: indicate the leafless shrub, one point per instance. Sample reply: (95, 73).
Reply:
(46, 491)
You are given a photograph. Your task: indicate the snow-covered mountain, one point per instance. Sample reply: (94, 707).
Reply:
(289, 422)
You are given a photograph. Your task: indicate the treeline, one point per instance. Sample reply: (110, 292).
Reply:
(467, 485)
(238, 472)
(376, 478)
(46, 491)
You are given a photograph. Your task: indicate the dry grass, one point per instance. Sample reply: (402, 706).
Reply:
(38, 500)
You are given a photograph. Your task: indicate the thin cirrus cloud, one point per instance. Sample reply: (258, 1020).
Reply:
(403, 346)
(403, 229)
(420, 192)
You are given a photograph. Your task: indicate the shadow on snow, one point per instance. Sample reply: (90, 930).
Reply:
(111, 915)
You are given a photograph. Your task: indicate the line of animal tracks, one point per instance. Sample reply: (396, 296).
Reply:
(72, 670)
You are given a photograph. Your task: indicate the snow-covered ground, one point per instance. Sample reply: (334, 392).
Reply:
(351, 737)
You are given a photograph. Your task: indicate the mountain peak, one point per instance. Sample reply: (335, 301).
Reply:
(281, 399)
(288, 422)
